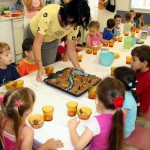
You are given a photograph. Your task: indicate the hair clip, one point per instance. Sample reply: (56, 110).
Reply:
(118, 102)
(1, 99)
(17, 103)
(130, 84)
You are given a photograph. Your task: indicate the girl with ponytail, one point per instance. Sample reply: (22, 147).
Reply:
(16, 105)
(128, 77)
(105, 130)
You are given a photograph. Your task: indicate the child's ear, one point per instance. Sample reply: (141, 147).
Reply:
(26, 53)
(145, 63)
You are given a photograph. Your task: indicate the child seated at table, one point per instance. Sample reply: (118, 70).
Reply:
(61, 50)
(17, 104)
(128, 25)
(106, 129)
(138, 20)
(117, 29)
(93, 38)
(8, 72)
(141, 64)
(28, 64)
(107, 33)
(128, 77)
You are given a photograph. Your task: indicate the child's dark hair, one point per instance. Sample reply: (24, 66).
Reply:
(76, 10)
(27, 44)
(138, 15)
(110, 23)
(94, 24)
(143, 53)
(128, 16)
(79, 34)
(108, 90)
(26, 98)
(117, 16)
(128, 77)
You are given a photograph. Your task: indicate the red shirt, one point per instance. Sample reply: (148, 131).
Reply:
(143, 89)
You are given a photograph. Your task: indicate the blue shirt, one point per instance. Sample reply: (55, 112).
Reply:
(130, 104)
(8, 74)
(137, 23)
(116, 31)
(107, 34)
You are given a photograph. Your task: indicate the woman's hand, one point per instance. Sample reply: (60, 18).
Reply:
(41, 72)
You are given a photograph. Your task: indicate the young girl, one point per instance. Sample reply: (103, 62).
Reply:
(138, 20)
(17, 104)
(93, 38)
(128, 26)
(128, 77)
(106, 130)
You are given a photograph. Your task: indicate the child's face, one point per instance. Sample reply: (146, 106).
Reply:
(117, 21)
(136, 64)
(93, 31)
(5, 58)
(30, 55)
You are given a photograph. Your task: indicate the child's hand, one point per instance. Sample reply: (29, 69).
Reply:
(73, 123)
(53, 144)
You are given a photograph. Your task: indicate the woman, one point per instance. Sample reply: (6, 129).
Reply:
(51, 24)
(31, 8)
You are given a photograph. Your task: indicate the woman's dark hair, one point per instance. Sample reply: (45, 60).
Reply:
(26, 98)
(128, 77)
(143, 53)
(76, 10)
(108, 90)
(110, 23)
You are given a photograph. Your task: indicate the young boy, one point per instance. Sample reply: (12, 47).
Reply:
(28, 64)
(117, 29)
(108, 34)
(8, 72)
(141, 64)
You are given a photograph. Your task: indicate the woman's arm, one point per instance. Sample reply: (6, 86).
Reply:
(72, 54)
(38, 41)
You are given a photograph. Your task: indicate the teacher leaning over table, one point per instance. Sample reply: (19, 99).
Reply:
(51, 24)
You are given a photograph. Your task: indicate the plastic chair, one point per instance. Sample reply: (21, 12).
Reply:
(140, 138)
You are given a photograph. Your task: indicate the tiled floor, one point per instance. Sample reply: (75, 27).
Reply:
(142, 122)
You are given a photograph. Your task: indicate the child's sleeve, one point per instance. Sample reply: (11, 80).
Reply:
(61, 50)
(21, 70)
(15, 73)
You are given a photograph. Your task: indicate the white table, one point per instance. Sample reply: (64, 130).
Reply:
(47, 95)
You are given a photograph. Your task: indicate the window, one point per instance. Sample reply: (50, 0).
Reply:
(140, 4)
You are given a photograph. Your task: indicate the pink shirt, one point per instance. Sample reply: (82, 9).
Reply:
(27, 14)
(8, 140)
(94, 41)
(100, 141)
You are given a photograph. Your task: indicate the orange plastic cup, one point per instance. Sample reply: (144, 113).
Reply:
(105, 44)
(49, 70)
(126, 34)
(120, 38)
(132, 34)
(48, 112)
(128, 59)
(94, 51)
(79, 58)
(111, 44)
(92, 92)
(112, 70)
(72, 108)
(137, 30)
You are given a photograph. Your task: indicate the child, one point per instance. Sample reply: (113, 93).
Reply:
(133, 15)
(8, 72)
(117, 29)
(128, 77)
(93, 38)
(15, 134)
(128, 26)
(104, 131)
(108, 34)
(61, 50)
(27, 65)
(141, 64)
(138, 20)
